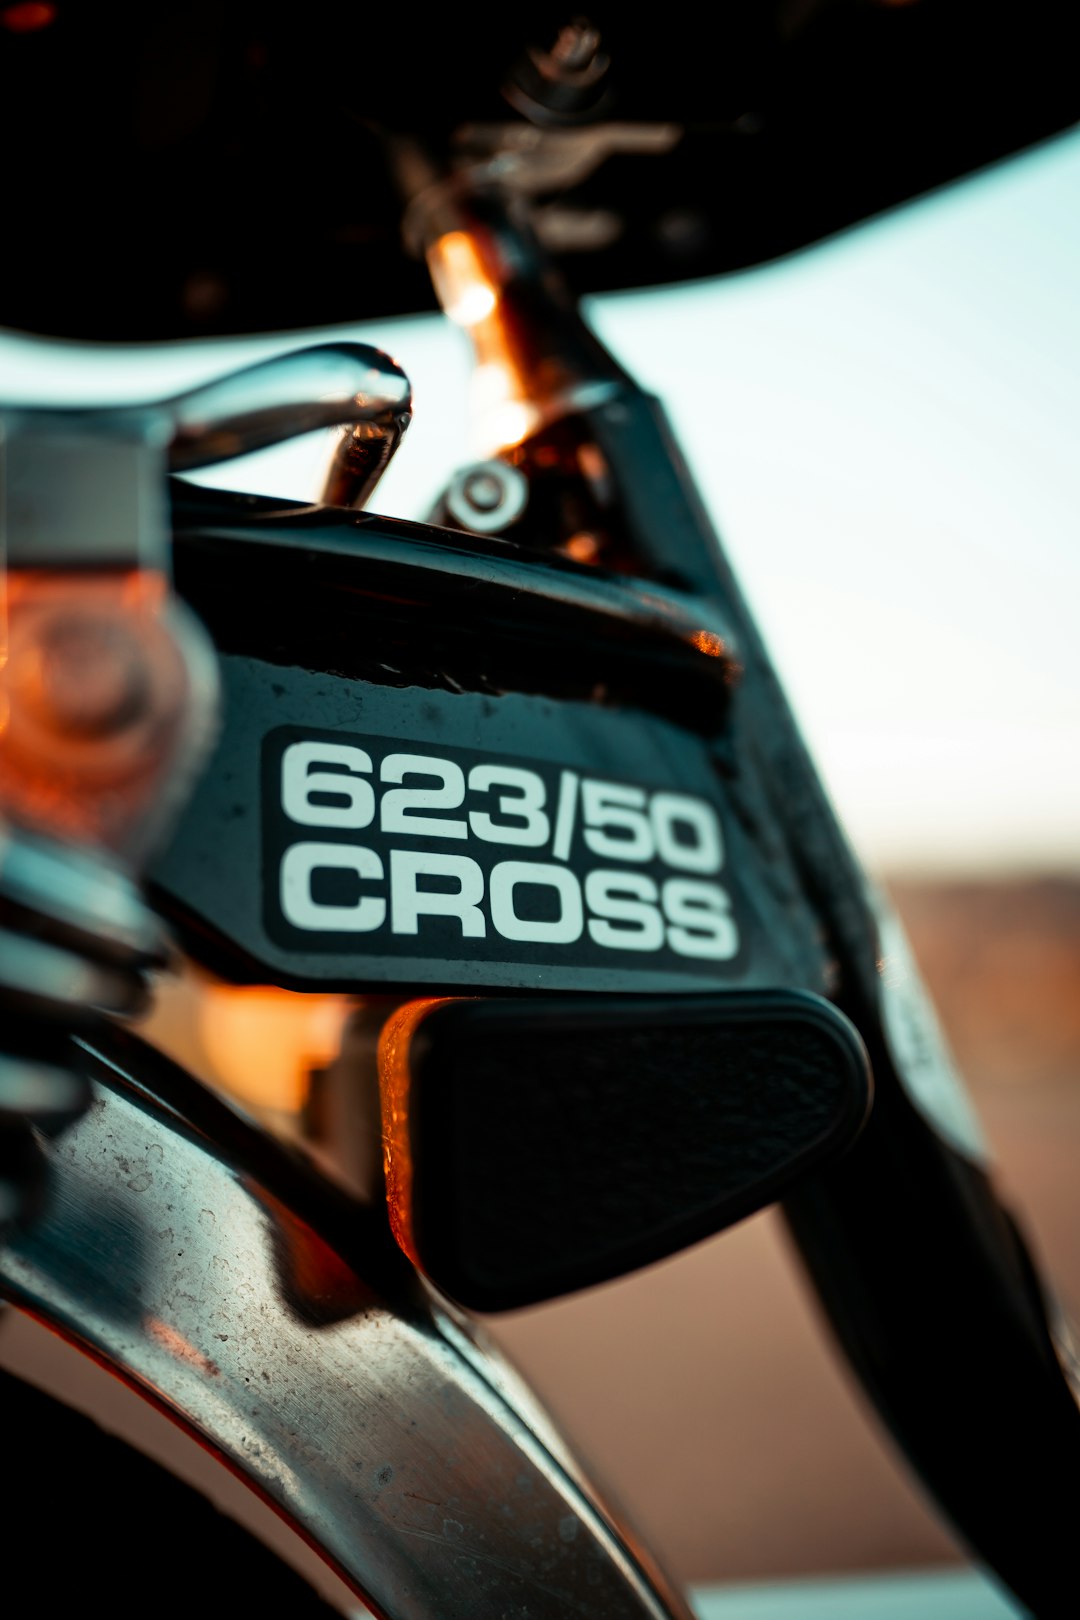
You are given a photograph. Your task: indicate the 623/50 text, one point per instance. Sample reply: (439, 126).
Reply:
(419, 843)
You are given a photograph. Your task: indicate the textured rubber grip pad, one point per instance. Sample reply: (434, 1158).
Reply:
(537, 1146)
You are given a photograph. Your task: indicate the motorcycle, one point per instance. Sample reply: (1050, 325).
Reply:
(521, 784)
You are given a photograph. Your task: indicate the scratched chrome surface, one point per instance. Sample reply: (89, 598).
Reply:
(375, 1427)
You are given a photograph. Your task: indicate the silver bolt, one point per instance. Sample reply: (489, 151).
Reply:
(487, 496)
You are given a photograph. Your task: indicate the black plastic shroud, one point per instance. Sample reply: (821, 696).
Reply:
(227, 160)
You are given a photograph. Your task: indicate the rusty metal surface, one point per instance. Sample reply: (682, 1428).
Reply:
(369, 1424)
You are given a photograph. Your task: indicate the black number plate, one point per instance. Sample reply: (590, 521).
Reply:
(374, 845)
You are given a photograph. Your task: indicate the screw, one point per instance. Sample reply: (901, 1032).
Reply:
(487, 496)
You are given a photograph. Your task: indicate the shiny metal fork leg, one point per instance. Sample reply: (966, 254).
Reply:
(328, 1383)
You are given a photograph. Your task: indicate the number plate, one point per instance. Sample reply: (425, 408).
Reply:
(374, 845)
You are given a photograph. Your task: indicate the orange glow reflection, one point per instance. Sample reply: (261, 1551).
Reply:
(583, 547)
(258, 1043)
(509, 423)
(394, 1085)
(505, 408)
(28, 17)
(708, 642)
(93, 691)
(262, 1043)
(461, 282)
(173, 1342)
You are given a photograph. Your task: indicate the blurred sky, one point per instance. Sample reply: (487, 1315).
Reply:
(887, 430)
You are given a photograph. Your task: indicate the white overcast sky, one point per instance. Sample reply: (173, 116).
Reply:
(887, 431)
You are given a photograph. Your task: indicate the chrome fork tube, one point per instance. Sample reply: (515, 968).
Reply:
(186, 1254)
